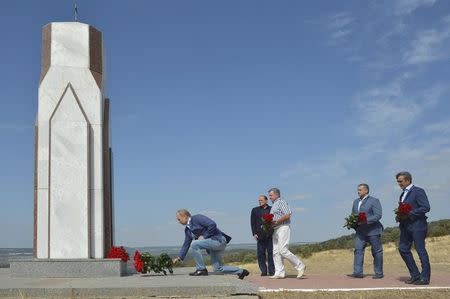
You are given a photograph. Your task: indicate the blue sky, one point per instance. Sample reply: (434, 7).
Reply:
(214, 102)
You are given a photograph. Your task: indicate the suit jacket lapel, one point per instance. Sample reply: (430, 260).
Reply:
(364, 203)
(355, 205)
(409, 192)
(190, 228)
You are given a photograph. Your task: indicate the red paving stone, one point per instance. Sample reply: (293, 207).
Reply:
(320, 281)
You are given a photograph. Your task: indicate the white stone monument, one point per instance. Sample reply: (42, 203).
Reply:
(73, 218)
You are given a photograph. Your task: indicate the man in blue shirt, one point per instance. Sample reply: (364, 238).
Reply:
(202, 233)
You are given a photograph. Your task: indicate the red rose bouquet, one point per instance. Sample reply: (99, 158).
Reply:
(118, 253)
(138, 262)
(145, 262)
(402, 212)
(362, 217)
(267, 220)
(353, 220)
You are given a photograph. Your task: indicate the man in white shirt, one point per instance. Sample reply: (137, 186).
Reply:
(281, 236)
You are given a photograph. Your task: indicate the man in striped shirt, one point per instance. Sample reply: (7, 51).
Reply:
(281, 236)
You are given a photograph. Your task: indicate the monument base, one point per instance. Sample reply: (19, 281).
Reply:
(63, 268)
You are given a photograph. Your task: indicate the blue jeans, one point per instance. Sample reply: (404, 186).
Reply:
(407, 237)
(215, 249)
(263, 246)
(377, 253)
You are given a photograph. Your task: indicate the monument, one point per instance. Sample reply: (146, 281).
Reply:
(73, 212)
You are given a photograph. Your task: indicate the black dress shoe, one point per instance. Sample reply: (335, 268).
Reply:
(263, 274)
(355, 275)
(243, 274)
(202, 272)
(378, 276)
(421, 282)
(412, 280)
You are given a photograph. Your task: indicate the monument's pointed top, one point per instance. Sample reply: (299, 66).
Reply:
(75, 12)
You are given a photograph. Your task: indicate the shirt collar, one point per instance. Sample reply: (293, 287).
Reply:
(262, 207)
(361, 199)
(409, 187)
(188, 224)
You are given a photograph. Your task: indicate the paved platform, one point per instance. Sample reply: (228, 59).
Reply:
(179, 284)
(51, 268)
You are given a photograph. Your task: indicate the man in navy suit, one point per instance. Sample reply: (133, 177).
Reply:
(202, 233)
(263, 238)
(368, 231)
(414, 229)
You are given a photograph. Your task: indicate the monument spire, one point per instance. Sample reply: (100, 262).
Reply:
(75, 13)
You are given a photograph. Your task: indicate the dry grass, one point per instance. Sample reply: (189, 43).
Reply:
(341, 261)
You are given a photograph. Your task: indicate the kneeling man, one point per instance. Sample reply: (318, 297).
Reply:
(368, 231)
(202, 233)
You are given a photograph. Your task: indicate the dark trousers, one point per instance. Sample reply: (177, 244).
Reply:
(407, 237)
(265, 246)
(377, 253)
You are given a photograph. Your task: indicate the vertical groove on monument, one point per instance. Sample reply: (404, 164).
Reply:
(73, 193)
(107, 194)
(35, 190)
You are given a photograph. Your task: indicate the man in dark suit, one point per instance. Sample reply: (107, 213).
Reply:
(414, 229)
(201, 233)
(368, 231)
(263, 238)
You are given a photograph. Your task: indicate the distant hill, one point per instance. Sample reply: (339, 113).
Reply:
(390, 234)
(235, 254)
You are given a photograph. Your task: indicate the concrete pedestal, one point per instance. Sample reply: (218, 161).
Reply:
(64, 268)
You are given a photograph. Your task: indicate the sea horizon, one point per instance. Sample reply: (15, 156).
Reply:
(27, 252)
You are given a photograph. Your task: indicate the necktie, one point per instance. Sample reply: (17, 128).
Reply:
(401, 196)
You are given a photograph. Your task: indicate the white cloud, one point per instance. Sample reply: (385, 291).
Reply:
(339, 25)
(384, 116)
(428, 160)
(387, 110)
(398, 29)
(384, 110)
(403, 7)
(428, 46)
(340, 34)
(340, 20)
(338, 163)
